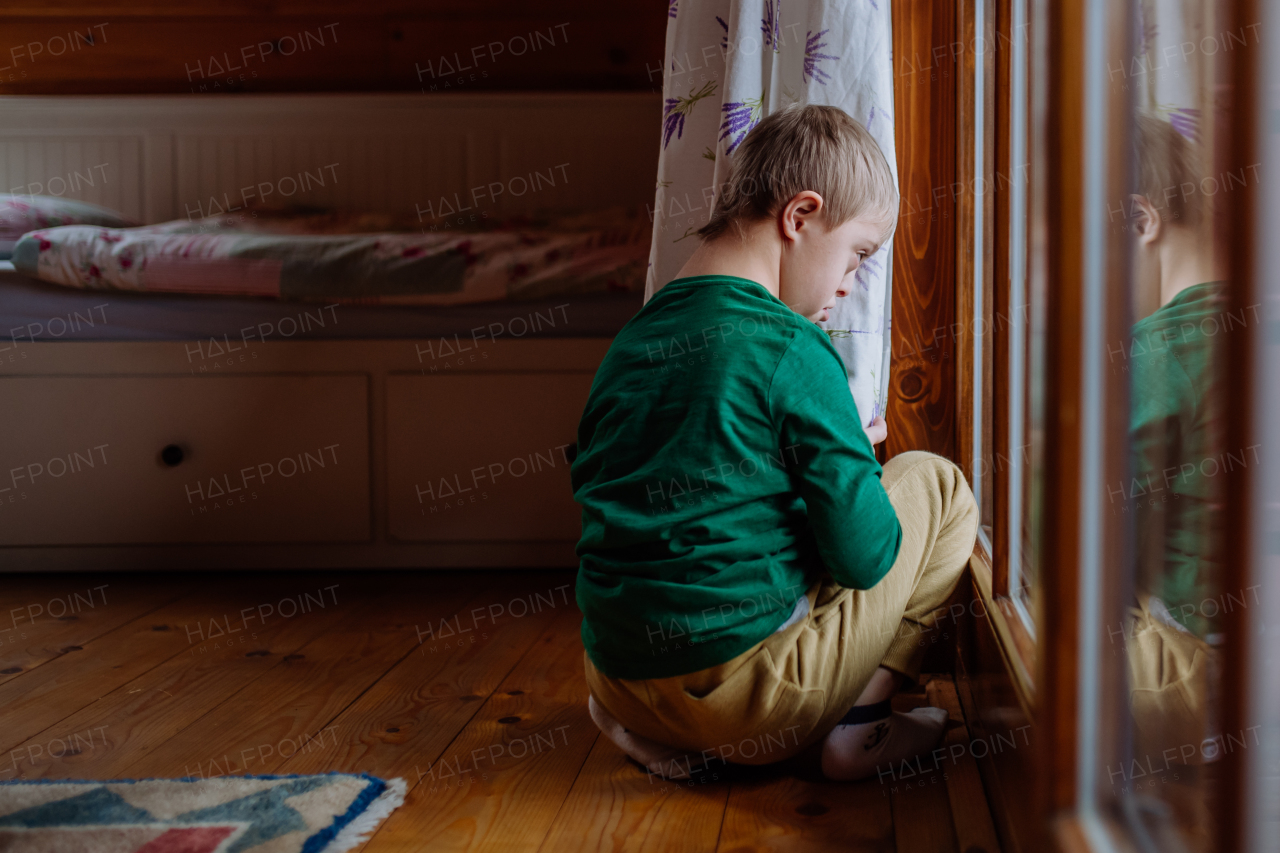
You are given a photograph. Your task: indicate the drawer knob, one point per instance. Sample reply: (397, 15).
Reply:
(172, 455)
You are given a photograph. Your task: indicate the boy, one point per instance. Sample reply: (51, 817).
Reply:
(749, 574)
(1175, 359)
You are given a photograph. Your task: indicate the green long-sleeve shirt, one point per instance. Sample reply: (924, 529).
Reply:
(1179, 451)
(721, 466)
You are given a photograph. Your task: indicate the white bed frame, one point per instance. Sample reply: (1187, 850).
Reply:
(406, 456)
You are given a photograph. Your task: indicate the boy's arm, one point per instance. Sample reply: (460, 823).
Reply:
(837, 474)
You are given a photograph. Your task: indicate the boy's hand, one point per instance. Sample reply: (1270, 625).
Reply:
(878, 431)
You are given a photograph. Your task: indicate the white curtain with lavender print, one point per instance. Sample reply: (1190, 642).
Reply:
(1171, 70)
(728, 64)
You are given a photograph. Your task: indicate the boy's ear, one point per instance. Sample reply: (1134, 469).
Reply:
(801, 212)
(1147, 225)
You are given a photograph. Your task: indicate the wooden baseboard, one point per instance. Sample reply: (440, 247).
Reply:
(996, 695)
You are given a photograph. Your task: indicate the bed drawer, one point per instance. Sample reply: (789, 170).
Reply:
(116, 460)
(482, 457)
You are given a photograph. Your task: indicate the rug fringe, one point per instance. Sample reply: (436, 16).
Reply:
(357, 831)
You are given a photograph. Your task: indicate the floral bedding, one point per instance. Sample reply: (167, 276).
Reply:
(22, 213)
(359, 259)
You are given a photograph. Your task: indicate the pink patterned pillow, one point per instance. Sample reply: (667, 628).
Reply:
(22, 213)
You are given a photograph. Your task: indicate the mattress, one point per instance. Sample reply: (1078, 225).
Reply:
(329, 257)
(32, 310)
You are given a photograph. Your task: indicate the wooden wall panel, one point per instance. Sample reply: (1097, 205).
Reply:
(156, 158)
(76, 48)
(443, 9)
(921, 409)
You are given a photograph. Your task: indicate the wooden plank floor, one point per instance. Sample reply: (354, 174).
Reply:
(468, 685)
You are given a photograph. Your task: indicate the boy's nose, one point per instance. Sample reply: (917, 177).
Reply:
(846, 283)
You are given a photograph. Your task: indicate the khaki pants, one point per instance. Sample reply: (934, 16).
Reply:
(789, 690)
(1170, 682)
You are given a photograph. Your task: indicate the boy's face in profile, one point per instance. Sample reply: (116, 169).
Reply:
(819, 264)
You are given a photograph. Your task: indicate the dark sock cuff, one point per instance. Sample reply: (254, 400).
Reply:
(867, 713)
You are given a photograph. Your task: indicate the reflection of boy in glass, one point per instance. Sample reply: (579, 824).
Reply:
(1174, 354)
(1174, 359)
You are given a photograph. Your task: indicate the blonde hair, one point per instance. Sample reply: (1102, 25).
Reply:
(806, 147)
(1169, 163)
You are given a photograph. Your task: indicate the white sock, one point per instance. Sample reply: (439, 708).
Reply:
(664, 760)
(852, 752)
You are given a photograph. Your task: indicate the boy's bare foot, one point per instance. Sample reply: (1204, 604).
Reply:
(659, 758)
(852, 752)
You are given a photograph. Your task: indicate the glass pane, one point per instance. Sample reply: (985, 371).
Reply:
(1179, 298)
(984, 472)
(1264, 781)
(1026, 327)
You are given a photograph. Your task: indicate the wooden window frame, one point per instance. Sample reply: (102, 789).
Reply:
(984, 276)
(1081, 711)
(1056, 670)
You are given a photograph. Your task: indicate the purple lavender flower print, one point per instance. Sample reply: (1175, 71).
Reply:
(1186, 121)
(739, 118)
(770, 24)
(672, 8)
(724, 39)
(813, 55)
(673, 114)
(865, 271)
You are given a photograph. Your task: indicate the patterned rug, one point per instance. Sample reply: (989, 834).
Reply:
(228, 814)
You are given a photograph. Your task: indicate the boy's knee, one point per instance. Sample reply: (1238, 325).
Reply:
(922, 473)
(911, 458)
(930, 466)
(964, 510)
